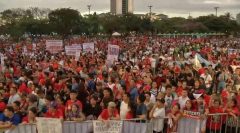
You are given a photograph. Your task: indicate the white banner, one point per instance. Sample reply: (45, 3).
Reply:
(77, 46)
(49, 125)
(88, 47)
(113, 52)
(70, 50)
(233, 51)
(54, 46)
(107, 127)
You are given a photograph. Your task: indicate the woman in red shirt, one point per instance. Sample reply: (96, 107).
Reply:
(53, 112)
(111, 113)
(31, 117)
(174, 116)
(131, 114)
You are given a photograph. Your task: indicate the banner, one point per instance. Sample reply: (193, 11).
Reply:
(34, 46)
(188, 125)
(107, 127)
(88, 47)
(54, 46)
(191, 114)
(113, 52)
(70, 50)
(233, 51)
(77, 46)
(49, 125)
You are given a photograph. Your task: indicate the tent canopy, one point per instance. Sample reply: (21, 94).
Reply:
(116, 34)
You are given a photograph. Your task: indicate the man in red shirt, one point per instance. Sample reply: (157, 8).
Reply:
(111, 113)
(214, 122)
(73, 99)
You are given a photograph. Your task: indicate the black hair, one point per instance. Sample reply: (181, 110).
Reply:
(141, 98)
(34, 110)
(17, 103)
(10, 108)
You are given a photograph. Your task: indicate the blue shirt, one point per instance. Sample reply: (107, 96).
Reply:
(15, 120)
(133, 94)
(141, 109)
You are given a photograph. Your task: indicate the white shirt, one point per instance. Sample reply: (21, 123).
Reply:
(13, 98)
(207, 79)
(182, 101)
(158, 123)
(153, 62)
(123, 110)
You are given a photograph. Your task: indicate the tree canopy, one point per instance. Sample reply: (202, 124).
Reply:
(66, 21)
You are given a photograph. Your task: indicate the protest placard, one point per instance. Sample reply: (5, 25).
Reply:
(49, 125)
(113, 52)
(88, 47)
(54, 46)
(107, 127)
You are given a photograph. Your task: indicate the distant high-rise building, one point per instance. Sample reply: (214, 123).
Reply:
(119, 7)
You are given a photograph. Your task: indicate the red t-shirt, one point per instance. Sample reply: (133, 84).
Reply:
(24, 88)
(129, 115)
(69, 104)
(214, 122)
(179, 91)
(2, 106)
(105, 114)
(25, 119)
(56, 114)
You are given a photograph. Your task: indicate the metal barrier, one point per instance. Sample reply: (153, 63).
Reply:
(215, 123)
(23, 128)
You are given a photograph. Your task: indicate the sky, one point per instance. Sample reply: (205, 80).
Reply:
(172, 8)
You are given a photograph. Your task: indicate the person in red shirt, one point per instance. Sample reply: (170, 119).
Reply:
(53, 112)
(232, 118)
(214, 122)
(111, 113)
(31, 117)
(132, 111)
(73, 100)
(2, 103)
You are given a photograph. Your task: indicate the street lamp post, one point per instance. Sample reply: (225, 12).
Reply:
(150, 10)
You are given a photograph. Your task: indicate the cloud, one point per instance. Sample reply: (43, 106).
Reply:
(159, 6)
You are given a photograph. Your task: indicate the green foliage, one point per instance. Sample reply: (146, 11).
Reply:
(66, 21)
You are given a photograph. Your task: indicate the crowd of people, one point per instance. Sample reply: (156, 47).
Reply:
(153, 78)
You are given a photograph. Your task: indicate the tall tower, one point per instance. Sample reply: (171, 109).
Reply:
(119, 7)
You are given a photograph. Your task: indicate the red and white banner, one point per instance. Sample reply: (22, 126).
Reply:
(54, 46)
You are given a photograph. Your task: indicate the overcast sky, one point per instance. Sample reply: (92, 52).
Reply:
(169, 7)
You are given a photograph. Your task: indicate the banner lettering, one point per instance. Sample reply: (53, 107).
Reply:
(109, 127)
(54, 46)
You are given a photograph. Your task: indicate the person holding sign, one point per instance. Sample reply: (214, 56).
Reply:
(111, 113)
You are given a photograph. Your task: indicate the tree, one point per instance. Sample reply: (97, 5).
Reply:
(64, 21)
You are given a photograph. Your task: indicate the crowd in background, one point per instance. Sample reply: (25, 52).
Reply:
(153, 78)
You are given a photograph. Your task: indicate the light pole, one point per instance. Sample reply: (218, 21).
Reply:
(89, 9)
(150, 10)
(216, 9)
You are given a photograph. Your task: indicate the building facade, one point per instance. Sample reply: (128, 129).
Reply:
(121, 7)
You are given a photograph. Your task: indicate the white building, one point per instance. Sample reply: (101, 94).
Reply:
(119, 7)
